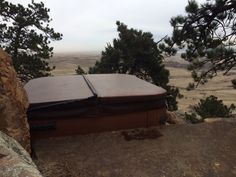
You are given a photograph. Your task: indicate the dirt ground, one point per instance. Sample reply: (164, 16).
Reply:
(186, 150)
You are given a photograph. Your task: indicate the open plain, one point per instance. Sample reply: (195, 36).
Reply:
(220, 86)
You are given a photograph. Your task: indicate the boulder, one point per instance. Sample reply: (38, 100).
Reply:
(13, 103)
(217, 119)
(171, 118)
(14, 160)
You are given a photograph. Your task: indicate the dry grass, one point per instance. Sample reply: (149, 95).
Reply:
(219, 86)
(66, 63)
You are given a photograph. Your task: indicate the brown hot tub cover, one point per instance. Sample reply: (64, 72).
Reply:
(92, 95)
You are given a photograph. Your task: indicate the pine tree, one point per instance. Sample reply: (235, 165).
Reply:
(135, 52)
(25, 34)
(208, 34)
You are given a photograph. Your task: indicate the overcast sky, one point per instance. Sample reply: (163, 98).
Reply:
(87, 25)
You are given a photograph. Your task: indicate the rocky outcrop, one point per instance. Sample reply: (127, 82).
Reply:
(217, 119)
(13, 103)
(14, 160)
(171, 118)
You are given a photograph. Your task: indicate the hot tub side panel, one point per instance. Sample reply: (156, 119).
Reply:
(67, 126)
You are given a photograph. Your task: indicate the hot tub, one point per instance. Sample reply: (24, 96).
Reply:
(80, 104)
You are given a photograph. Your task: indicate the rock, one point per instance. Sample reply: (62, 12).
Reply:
(13, 103)
(216, 119)
(14, 160)
(171, 118)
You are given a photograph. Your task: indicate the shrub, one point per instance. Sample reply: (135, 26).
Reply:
(193, 118)
(212, 107)
(207, 108)
(79, 70)
(190, 87)
(234, 83)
